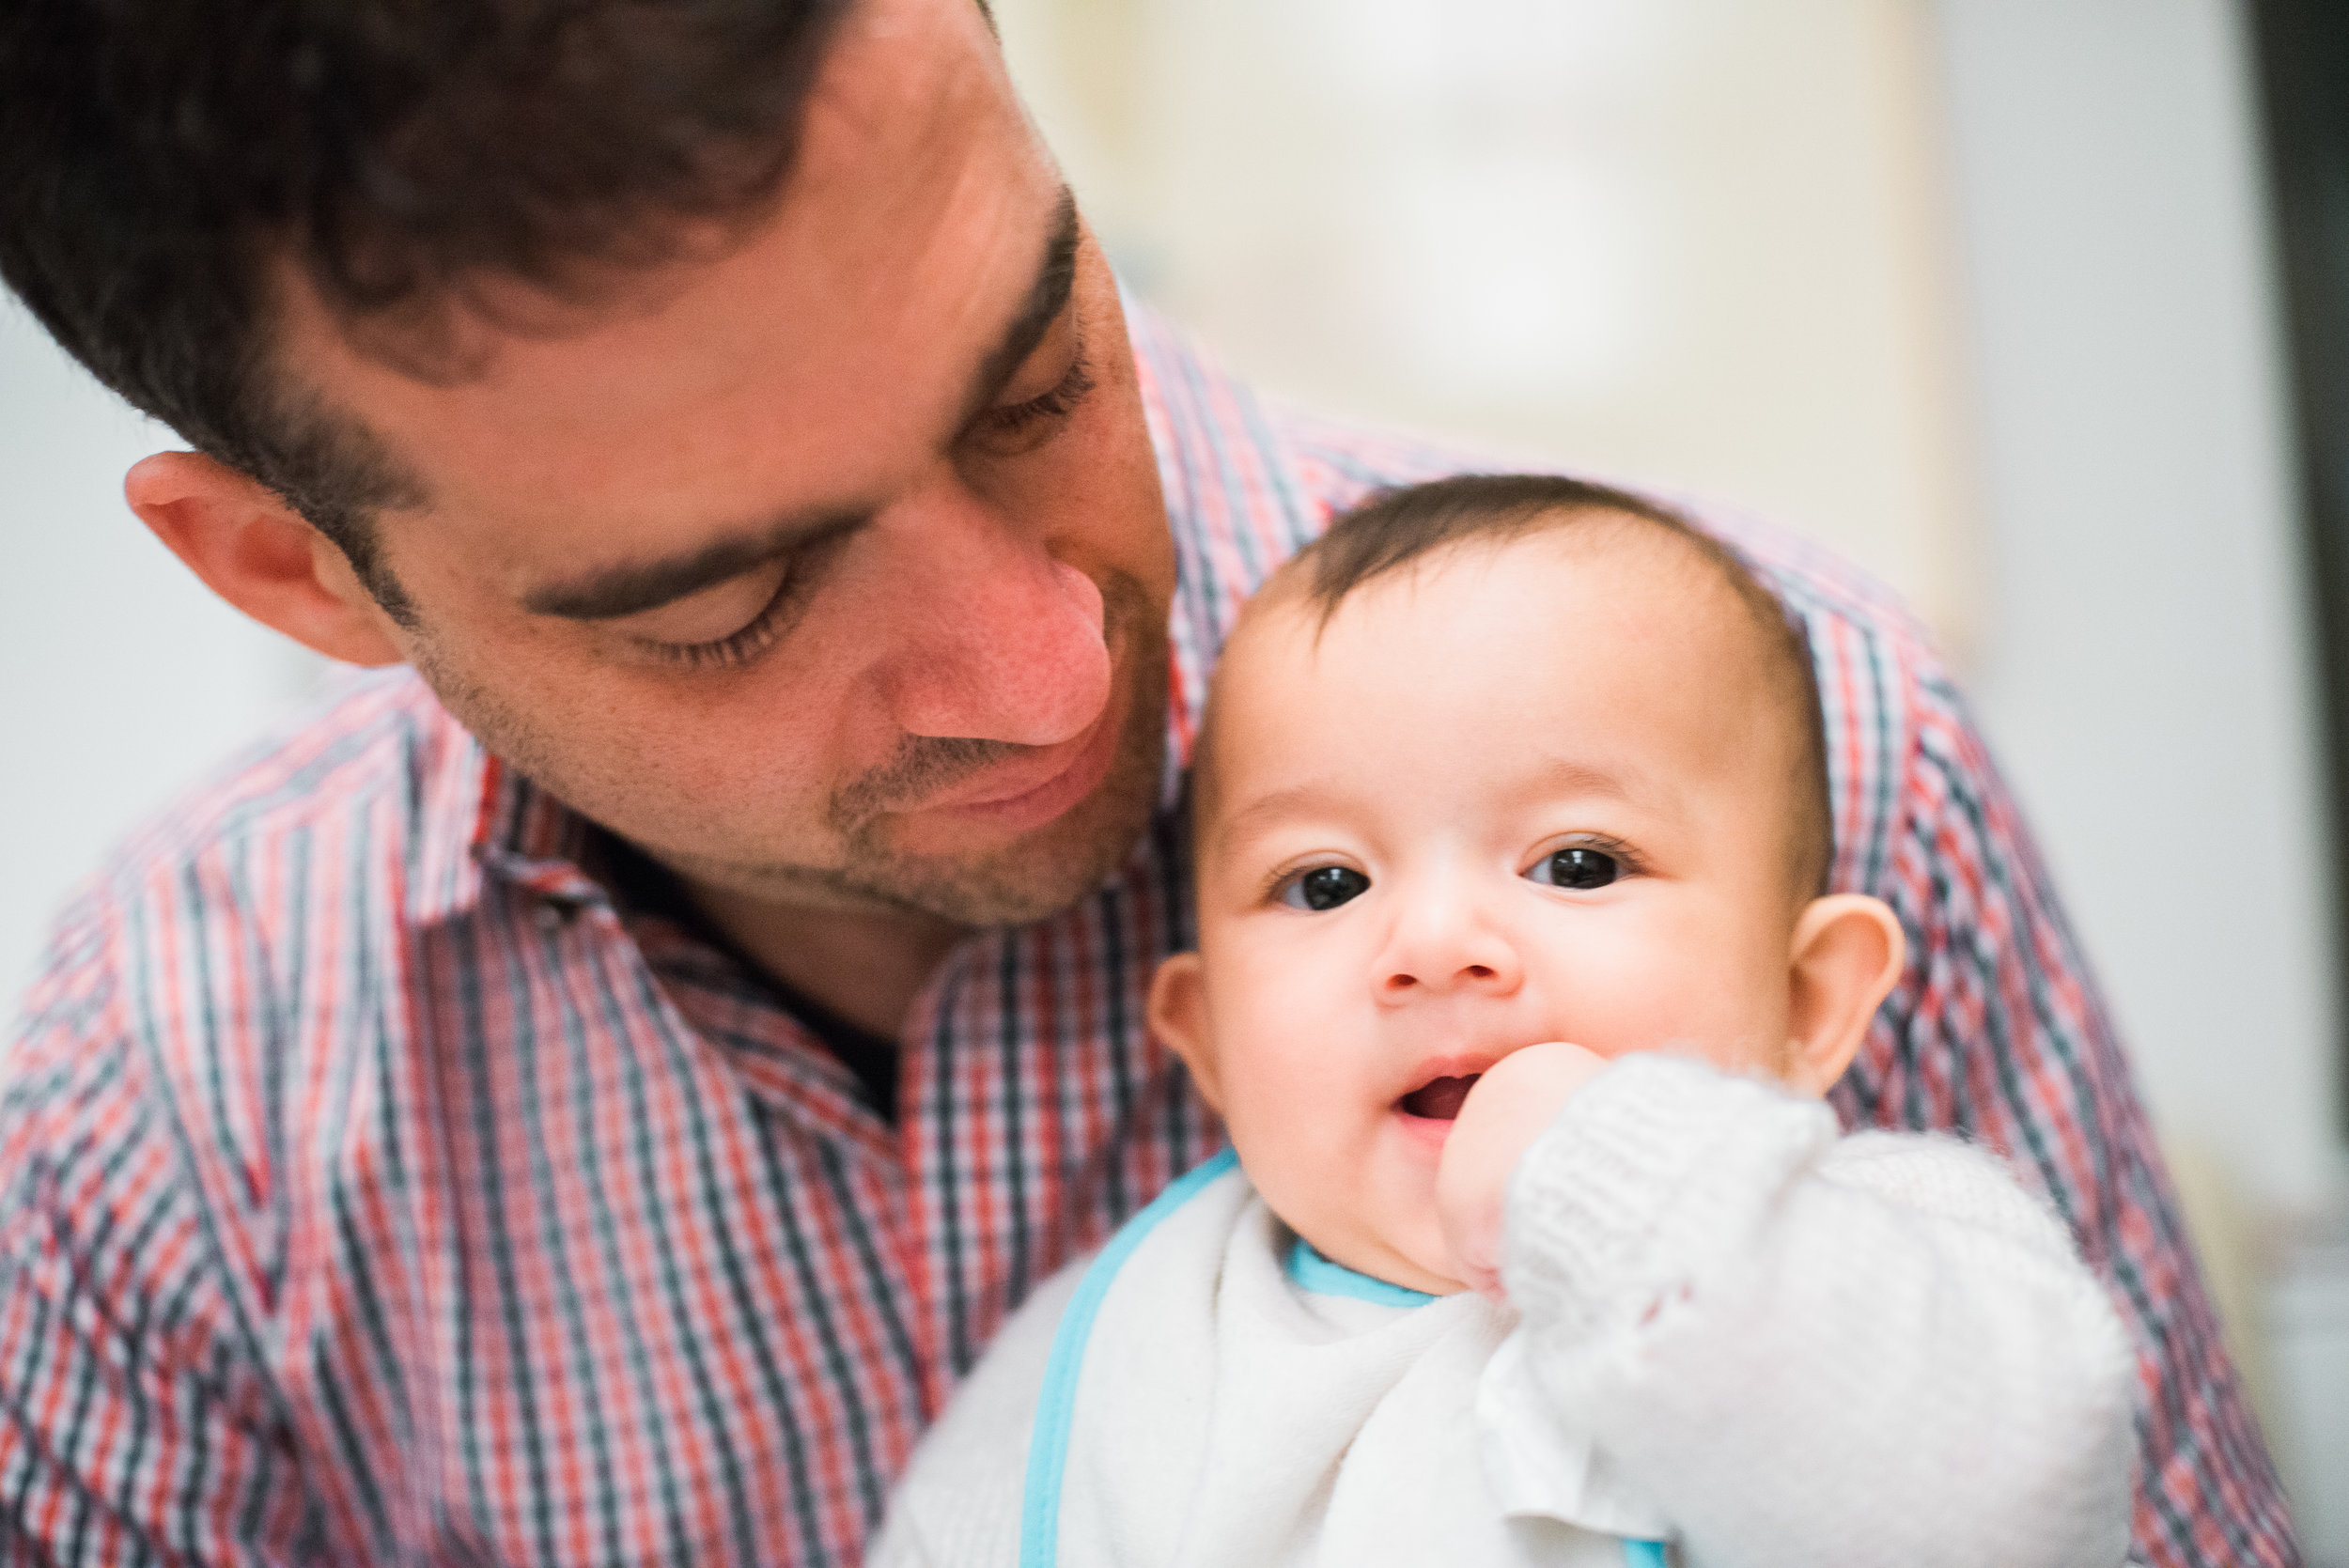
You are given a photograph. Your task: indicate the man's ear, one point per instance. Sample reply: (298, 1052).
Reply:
(1845, 958)
(1178, 1016)
(257, 552)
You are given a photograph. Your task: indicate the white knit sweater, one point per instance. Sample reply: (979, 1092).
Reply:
(1731, 1329)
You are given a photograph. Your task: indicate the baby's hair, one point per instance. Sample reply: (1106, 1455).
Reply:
(1395, 528)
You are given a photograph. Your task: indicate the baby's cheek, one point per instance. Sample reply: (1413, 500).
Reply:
(1305, 1114)
(1302, 1131)
(1629, 1011)
(1647, 996)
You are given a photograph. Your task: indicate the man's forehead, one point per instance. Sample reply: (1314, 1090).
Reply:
(625, 584)
(753, 359)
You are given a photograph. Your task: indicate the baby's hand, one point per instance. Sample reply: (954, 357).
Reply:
(1516, 1098)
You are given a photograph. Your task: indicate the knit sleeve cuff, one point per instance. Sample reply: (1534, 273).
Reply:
(1657, 1170)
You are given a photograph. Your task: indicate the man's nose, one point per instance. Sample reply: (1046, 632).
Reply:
(1445, 941)
(996, 639)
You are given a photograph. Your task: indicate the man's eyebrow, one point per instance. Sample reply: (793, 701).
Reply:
(1048, 296)
(632, 589)
(611, 592)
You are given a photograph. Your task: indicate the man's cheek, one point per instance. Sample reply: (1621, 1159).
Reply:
(720, 775)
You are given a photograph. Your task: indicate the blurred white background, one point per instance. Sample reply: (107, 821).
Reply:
(1978, 291)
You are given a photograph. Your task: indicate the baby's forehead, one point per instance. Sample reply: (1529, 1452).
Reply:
(1656, 603)
(1694, 606)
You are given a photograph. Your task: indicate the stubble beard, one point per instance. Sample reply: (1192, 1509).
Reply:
(1034, 876)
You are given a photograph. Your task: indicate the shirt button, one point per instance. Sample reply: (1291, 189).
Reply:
(552, 917)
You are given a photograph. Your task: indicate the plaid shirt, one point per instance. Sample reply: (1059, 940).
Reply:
(375, 1185)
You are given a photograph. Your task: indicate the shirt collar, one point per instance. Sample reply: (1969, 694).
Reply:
(534, 841)
(475, 816)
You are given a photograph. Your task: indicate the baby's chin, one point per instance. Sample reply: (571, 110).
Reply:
(1435, 1274)
(1417, 1262)
(1379, 1219)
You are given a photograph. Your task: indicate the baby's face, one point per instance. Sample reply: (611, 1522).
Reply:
(1519, 793)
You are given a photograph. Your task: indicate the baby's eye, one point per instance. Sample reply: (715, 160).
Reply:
(1579, 868)
(1324, 886)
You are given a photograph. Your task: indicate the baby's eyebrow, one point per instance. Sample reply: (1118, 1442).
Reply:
(1551, 776)
(1573, 776)
(1267, 809)
(1657, 798)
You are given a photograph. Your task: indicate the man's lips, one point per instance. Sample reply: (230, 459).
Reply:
(1034, 790)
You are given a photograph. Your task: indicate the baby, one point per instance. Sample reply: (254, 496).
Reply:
(1518, 991)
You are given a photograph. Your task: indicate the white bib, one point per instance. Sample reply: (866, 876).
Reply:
(1220, 1396)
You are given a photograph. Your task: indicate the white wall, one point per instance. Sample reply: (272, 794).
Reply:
(121, 679)
(1703, 240)
(2144, 669)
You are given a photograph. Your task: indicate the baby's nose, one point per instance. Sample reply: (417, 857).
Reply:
(1466, 975)
(1447, 938)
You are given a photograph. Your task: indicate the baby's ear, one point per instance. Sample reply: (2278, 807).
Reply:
(1845, 956)
(1178, 1016)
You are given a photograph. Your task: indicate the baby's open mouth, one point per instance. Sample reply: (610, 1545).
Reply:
(1438, 1099)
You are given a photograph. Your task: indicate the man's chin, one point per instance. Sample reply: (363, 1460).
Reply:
(1039, 873)
(963, 868)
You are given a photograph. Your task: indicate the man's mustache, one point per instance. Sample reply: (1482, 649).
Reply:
(926, 766)
(923, 766)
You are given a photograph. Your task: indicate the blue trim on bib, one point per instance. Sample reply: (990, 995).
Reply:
(1056, 1403)
(1644, 1554)
(1309, 1270)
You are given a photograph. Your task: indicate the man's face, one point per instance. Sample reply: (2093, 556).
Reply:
(1512, 795)
(832, 570)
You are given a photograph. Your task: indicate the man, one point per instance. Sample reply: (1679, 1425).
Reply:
(583, 1096)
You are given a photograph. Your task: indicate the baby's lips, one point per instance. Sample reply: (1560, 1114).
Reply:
(1440, 1099)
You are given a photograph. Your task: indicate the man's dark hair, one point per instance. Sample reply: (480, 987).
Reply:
(1397, 527)
(158, 157)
